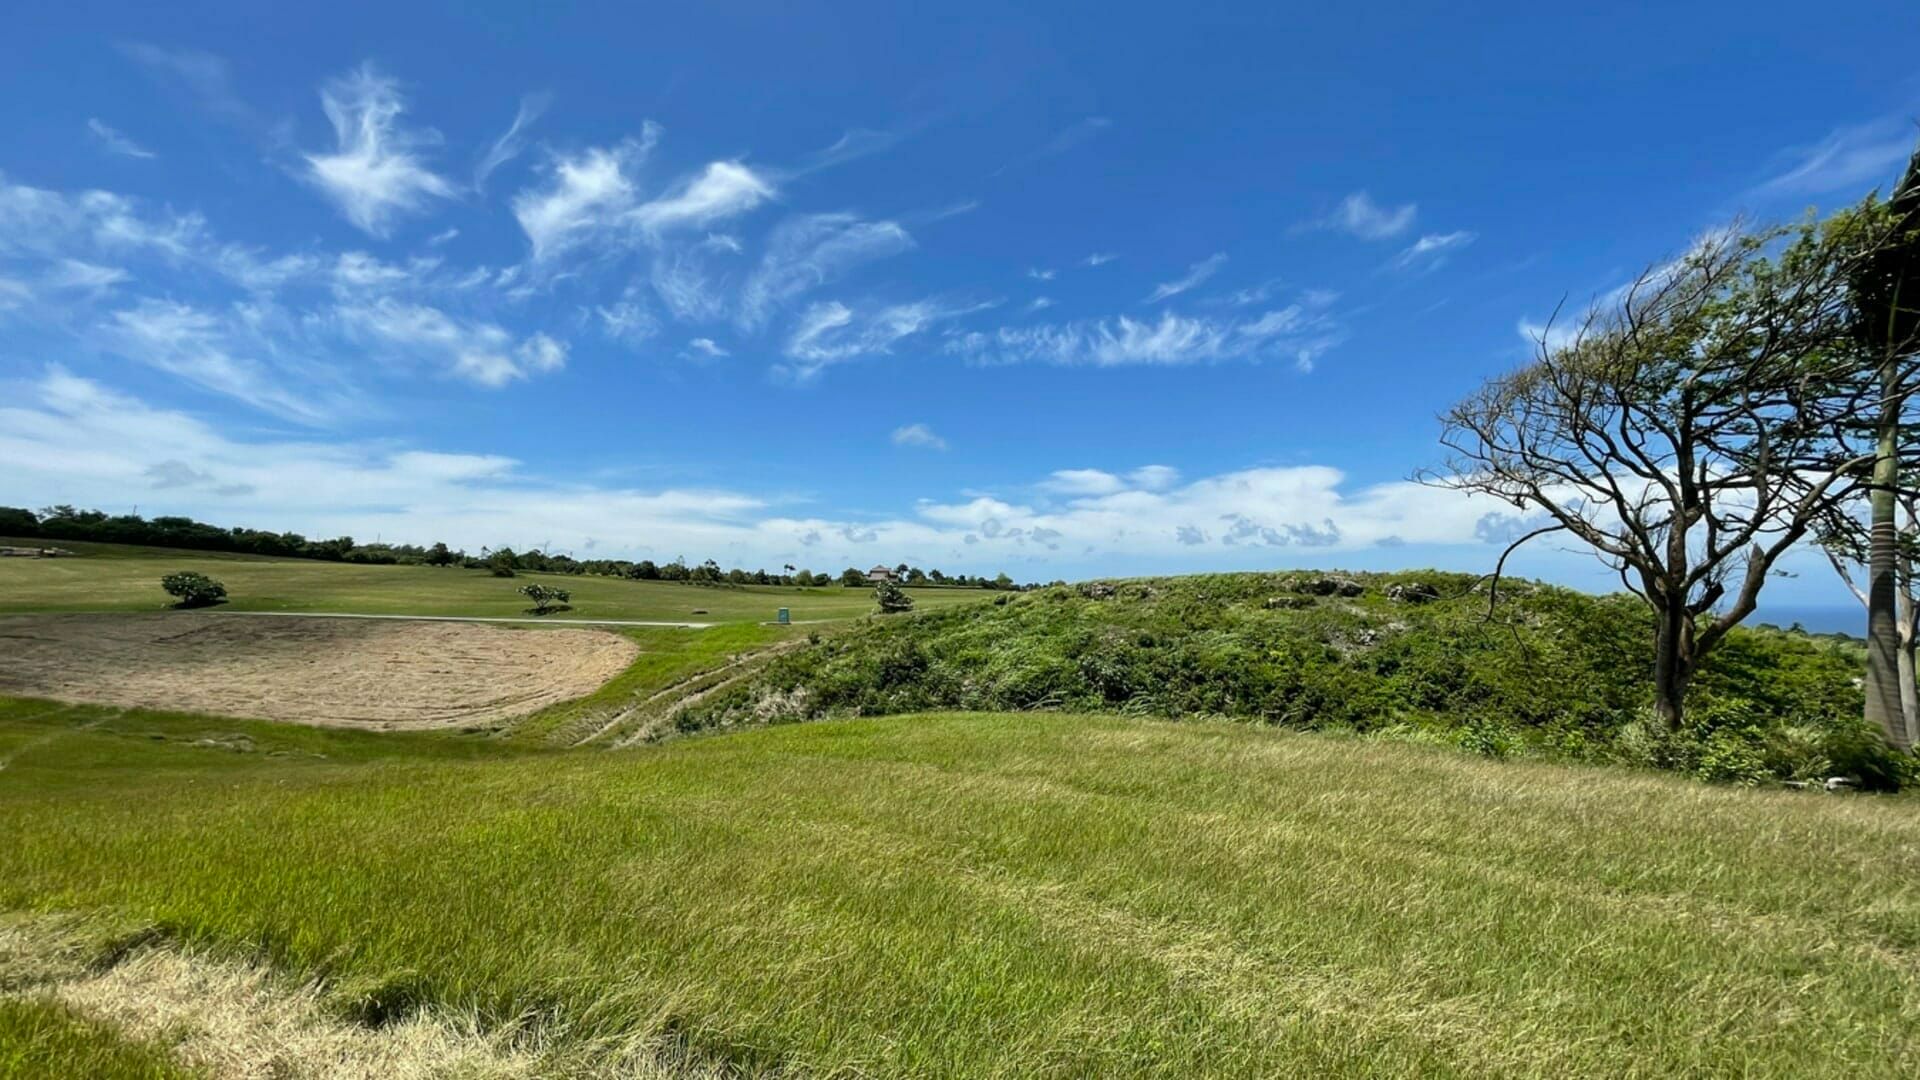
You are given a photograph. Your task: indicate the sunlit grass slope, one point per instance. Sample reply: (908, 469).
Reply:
(109, 577)
(1006, 894)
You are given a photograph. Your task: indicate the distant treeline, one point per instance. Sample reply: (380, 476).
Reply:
(69, 523)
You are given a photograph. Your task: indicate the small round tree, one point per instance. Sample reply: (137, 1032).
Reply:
(192, 589)
(891, 597)
(547, 598)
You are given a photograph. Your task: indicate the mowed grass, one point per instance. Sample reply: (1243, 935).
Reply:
(992, 894)
(40, 1038)
(108, 577)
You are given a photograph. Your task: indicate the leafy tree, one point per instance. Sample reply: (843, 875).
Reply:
(892, 598)
(546, 598)
(18, 521)
(502, 563)
(852, 578)
(193, 589)
(916, 576)
(1002, 581)
(439, 555)
(644, 570)
(1686, 434)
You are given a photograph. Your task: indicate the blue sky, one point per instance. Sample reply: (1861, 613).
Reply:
(1105, 289)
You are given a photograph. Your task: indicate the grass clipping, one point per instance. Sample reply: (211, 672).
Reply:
(232, 1019)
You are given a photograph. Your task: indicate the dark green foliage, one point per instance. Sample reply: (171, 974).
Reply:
(1550, 672)
(547, 598)
(891, 598)
(192, 589)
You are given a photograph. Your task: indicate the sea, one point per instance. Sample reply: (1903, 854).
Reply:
(1818, 619)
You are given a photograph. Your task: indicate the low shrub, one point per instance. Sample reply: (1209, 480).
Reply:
(547, 598)
(192, 589)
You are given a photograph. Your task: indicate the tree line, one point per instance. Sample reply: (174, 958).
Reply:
(1748, 397)
(69, 523)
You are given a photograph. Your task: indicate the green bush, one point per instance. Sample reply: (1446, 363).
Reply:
(892, 598)
(547, 598)
(193, 589)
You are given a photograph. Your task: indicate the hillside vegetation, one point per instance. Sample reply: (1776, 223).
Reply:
(1545, 671)
(975, 895)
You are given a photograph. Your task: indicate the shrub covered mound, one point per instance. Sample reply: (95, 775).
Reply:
(1549, 672)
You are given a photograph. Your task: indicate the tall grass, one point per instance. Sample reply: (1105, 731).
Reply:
(1006, 894)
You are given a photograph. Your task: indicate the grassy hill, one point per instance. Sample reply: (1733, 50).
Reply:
(974, 895)
(112, 577)
(1547, 671)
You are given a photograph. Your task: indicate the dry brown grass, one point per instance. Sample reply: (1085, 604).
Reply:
(388, 675)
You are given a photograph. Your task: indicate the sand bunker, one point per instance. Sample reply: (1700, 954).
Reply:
(344, 672)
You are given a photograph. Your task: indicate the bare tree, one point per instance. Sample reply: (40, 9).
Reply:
(1685, 431)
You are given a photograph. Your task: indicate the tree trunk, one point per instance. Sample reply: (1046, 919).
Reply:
(1909, 633)
(1909, 699)
(1672, 667)
(1884, 680)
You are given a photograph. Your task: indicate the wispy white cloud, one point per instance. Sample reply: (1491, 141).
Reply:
(1154, 477)
(113, 142)
(1300, 332)
(67, 438)
(375, 172)
(831, 332)
(627, 321)
(855, 143)
(1098, 258)
(1065, 139)
(86, 276)
(1040, 303)
(1082, 482)
(212, 351)
(722, 190)
(1195, 275)
(810, 250)
(918, 435)
(1850, 159)
(203, 75)
(477, 351)
(708, 348)
(508, 146)
(1359, 215)
(693, 282)
(1431, 251)
(584, 195)
(1039, 273)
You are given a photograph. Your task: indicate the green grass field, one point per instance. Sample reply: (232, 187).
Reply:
(109, 577)
(994, 894)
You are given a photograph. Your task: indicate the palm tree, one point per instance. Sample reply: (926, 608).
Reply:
(1886, 294)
